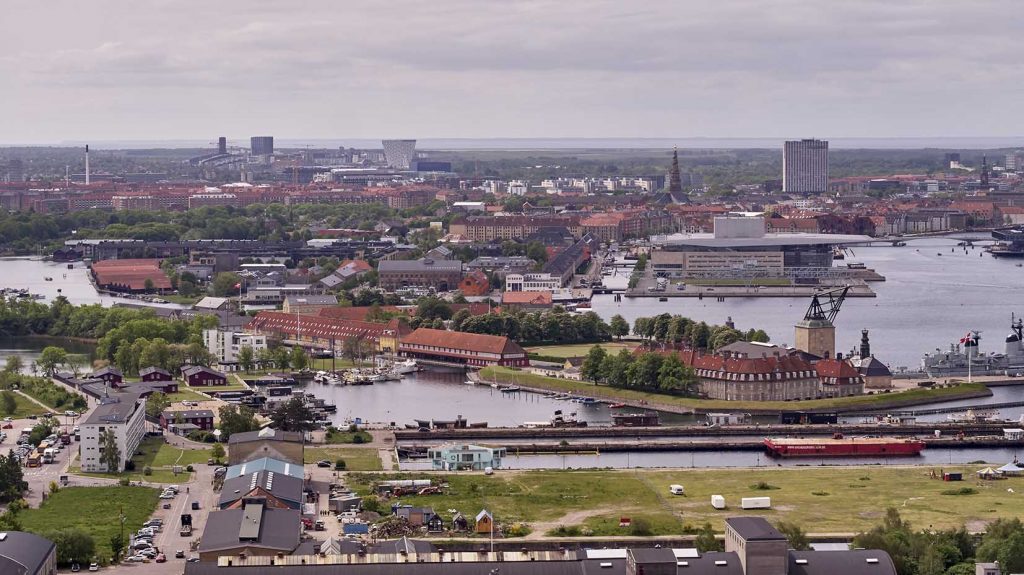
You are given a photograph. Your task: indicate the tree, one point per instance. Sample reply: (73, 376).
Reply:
(148, 284)
(224, 284)
(116, 546)
(110, 453)
(459, 318)
(706, 540)
(432, 308)
(12, 480)
(236, 419)
(51, 359)
(796, 536)
(619, 326)
(299, 359)
(156, 403)
(217, 453)
(14, 364)
(293, 415)
(8, 403)
(592, 366)
(74, 545)
(246, 358)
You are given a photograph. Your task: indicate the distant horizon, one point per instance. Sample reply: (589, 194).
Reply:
(557, 143)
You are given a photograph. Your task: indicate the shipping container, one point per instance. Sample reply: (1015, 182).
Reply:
(718, 502)
(756, 503)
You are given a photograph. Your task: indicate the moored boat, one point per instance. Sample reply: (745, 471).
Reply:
(840, 446)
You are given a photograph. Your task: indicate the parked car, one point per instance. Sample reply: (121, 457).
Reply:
(70, 413)
(167, 495)
(94, 567)
(323, 463)
(179, 554)
(161, 558)
(136, 558)
(151, 553)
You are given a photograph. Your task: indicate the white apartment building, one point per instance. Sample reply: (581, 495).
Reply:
(225, 345)
(805, 166)
(532, 282)
(122, 413)
(517, 188)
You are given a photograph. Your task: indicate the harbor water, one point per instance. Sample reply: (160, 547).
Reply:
(934, 293)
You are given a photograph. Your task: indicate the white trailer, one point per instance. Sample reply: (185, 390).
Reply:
(756, 503)
(718, 502)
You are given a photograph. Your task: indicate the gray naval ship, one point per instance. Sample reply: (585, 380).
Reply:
(964, 357)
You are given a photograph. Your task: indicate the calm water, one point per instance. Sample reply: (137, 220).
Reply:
(927, 302)
(29, 273)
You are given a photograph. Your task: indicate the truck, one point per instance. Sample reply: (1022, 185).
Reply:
(65, 438)
(756, 503)
(48, 455)
(186, 525)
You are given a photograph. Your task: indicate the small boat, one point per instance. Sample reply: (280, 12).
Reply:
(407, 366)
(469, 382)
(616, 405)
(662, 298)
(48, 278)
(496, 386)
(511, 389)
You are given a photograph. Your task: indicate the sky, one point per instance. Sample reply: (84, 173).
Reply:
(192, 70)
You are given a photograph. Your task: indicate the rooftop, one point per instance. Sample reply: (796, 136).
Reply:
(425, 264)
(116, 408)
(22, 552)
(473, 342)
(754, 529)
(769, 240)
(251, 526)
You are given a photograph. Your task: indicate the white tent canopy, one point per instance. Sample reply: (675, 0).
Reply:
(1010, 468)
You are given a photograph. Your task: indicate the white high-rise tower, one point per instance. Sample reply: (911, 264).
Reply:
(805, 166)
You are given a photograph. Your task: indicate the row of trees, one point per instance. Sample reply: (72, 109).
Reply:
(555, 326)
(949, 552)
(676, 329)
(650, 371)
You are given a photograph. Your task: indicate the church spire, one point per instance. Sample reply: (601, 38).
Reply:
(675, 182)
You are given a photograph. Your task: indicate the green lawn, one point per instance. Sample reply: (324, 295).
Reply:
(821, 500)
(25, 407)
(325, 364)
(153, 451)
(186, 394)
(356, 458)
(581, 349)
(95, 510)
(345, 436)
(55, 396)
(876, 401)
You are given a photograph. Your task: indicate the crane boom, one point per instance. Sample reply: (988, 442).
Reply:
(830, 308)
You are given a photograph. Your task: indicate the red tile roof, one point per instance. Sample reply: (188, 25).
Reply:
(131, 273)
(317, 326)
(526, 298)
(471, 342)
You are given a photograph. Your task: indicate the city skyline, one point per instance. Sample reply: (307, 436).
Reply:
(735, 69)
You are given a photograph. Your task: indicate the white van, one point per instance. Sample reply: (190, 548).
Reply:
(676, 489)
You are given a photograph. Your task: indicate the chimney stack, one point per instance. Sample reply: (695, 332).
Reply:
(87, 164)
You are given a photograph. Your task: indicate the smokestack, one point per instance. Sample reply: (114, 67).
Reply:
(87, 164)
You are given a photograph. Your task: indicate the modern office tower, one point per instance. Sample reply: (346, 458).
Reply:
(399, 154)
(805, 166)
(262, 145)
(222, 145)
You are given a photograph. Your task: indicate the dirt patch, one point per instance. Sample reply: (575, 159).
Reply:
(540, 528)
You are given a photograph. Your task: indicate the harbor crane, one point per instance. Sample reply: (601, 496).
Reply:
(828, 310)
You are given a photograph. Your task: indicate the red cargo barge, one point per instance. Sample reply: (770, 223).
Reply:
(843, 447)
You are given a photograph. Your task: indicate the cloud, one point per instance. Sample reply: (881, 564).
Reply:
(524, 68)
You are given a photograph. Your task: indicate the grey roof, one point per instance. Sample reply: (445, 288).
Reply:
(754, 349)
(265, 434)
(189, 414)
(841, 563)
(189, 370)
(282, 486)
(152, 369)
(871, 367)
(403, 545)
(105, 370)
(656, 555)
(754, 529)
(116, 408)
(265, 463)
(714, 563)
(332, 280)
(312, 300)
(768, 240)
(425, 264)
(24, 553)
(252, 526)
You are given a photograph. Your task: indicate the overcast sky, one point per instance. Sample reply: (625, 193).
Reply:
(183, 69)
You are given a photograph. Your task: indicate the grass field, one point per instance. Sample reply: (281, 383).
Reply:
(94, 510)
(356, 458)
(154, 452)
(25, 407)
(581, 349)
(186, 394)
(345, 436)
(821, 500)
(895, 399)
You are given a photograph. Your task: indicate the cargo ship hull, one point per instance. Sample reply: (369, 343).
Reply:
(867, 447)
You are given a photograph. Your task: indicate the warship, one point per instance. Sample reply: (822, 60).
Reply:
(965, 358)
